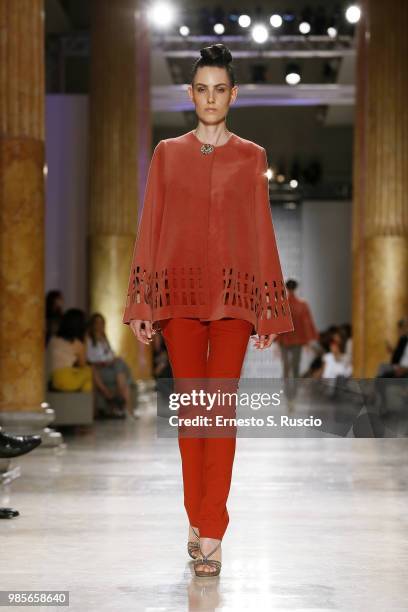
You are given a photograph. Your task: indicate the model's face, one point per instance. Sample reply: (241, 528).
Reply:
(212, 90)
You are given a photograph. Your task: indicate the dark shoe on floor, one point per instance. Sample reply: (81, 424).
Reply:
(14, 446)
(7, 513)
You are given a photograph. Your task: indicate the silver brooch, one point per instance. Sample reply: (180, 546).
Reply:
(206, 149)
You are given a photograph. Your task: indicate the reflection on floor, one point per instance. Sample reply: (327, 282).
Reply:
(316, 524)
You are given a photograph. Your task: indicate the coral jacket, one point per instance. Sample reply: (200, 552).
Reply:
(304, 327)
(205, 245)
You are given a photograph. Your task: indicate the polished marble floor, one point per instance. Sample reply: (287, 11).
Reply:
(316, 524)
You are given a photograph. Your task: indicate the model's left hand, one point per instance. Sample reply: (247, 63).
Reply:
(264, 342)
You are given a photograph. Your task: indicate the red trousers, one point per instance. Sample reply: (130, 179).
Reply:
(206, 349)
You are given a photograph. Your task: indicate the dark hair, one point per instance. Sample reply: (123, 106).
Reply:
(215, 55)
(291, 284)
(316, 364)
(90, 328)
(73, 324)
(51, 298)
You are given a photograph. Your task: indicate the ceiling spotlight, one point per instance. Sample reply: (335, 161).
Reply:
(219, 28)
(276, 21)
(244, 21)
(353, 13)
(293, 183)
(269, 174)
(332, 32)
(184, 30)
(161, 14)
(292, 75)
(259, 33)
(304, 27)
(293, 78)
(280, 178)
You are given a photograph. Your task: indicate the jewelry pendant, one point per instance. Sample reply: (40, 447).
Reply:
(206, 149)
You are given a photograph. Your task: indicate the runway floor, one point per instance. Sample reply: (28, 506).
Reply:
(315, 524)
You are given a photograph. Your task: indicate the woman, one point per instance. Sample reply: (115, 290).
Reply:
(335, 365)
(67, 366)
(206, 272)
(114, 377)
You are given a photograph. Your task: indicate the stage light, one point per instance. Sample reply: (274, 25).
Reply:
(161, 14)
(280, 178)
(184, 30)
(293, 183)
(259, 33)
(332, 32)
(276, 21)
(292, 75)
(353, 13)
(244, 21)
(269, 174)
(304, 27)
(219, 28)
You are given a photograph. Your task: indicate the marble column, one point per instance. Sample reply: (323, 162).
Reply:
(22, 158)
(120, 150)
(380, 215)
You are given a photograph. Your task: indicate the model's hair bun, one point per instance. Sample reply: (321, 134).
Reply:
(216, 53)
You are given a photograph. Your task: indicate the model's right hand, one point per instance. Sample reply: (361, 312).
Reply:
(143, 334)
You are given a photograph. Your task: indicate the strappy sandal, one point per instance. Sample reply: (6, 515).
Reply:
(204, 560)
(193, 547)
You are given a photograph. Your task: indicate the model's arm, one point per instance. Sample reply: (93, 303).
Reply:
(275, 317)
(139, 298)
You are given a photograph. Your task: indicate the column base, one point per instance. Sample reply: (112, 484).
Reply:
(32, 423)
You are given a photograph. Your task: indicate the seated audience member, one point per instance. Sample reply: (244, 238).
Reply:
(54, 309)
(66, 355)
(396, 369)
(113, 374)
(335, 365)
(397, 353)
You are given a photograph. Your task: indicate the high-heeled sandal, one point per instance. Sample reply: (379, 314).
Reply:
(204, 560)
(193, 546)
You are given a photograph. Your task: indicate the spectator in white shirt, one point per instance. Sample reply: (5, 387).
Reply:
(398, 368)
(335, 365)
